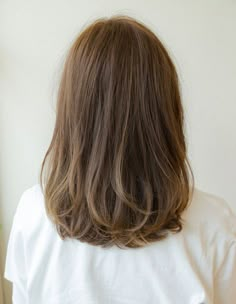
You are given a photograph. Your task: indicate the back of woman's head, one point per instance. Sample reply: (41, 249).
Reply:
(117, 169)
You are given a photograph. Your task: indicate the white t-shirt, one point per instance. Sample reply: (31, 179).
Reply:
(194, 266)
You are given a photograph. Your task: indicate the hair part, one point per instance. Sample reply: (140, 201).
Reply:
(116, 171)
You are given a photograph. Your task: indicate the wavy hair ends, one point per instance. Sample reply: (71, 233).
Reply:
(116, 171)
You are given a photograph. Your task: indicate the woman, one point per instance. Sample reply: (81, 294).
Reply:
(115, 217)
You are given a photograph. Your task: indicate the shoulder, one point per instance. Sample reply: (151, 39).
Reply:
(28, 218)
(30, 208)
(212, 215)
(31, 197)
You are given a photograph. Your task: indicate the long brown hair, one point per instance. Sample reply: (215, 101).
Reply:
(117, 169)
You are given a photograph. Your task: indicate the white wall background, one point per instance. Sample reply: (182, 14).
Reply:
(201, 37)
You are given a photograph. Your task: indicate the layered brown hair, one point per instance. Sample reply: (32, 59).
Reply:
(116, 171)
